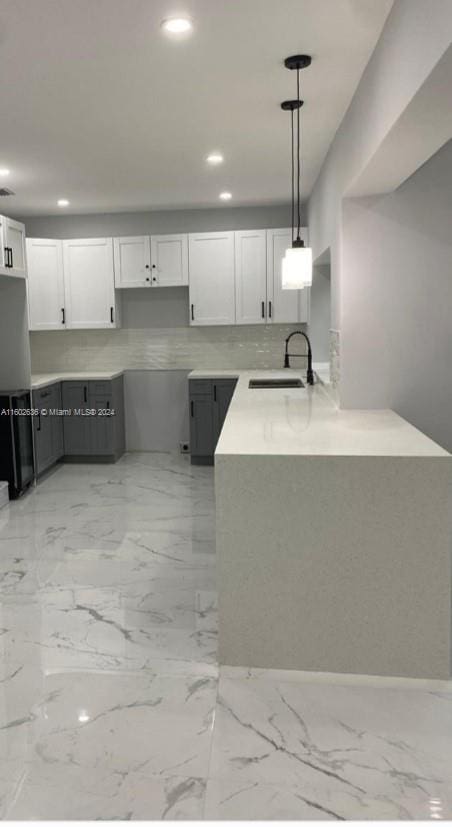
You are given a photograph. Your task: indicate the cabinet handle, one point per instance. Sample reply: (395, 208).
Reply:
(192, 312)
(269, 310)
(11, 261)
(111, 315)
(263, 310)
(192, 409)
(39, 422)
(63, 320)
(214, 393)
(6, 256)
(85, 394)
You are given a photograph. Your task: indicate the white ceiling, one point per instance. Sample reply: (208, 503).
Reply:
(98, 106)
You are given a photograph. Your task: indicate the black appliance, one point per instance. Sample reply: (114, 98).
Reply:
(16, 441)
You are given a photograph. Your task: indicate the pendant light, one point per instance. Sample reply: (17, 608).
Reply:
(296, 272)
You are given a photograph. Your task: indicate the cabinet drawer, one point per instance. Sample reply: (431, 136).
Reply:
(43, 394)
(100, 388)
(200, 387)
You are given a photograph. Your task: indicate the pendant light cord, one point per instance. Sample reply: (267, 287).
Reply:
(293, 177)
(298, 157)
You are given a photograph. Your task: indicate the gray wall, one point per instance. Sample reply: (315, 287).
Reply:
(166, 221)
(397, 300)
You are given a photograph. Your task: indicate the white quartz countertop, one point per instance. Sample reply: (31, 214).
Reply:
(321, 368)
(306, 422)
(40, 380)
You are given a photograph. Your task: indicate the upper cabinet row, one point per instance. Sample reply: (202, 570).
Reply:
(71, 284)
(13, 260)
(233, 278)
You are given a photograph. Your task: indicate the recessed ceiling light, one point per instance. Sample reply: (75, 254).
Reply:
(225, 196)
(63, 202)
(4, 172)
(215, 158)
(177, 25)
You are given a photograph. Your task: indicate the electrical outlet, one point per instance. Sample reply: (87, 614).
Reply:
(184, 447)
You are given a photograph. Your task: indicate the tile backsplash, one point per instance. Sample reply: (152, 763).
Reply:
(240, 346)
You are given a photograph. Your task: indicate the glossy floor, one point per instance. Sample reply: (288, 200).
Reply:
(111, 706)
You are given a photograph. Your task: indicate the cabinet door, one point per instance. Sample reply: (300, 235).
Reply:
(211, 278)
(202, 442)
(57, 422)
(132, 261)
(102, 426)
(282, 305)
(223, 390)
(250, 277)
(76, 428)
(169, 259)
(89, 283)
(45, 284)
(42, 428)
(14, 233)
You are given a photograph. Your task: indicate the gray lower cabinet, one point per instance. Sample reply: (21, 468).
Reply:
(209, 403)
(47, 427)
(91, 431)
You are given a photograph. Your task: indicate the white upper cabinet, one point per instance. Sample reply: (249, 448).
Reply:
(250, 277)
(212, 283)
(169, 260)
(156, 261)
(132, 261)
(89, 283)
(45, 285)
(283, 306)
(13, 259)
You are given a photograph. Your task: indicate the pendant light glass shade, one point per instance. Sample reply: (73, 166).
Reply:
(296, 270)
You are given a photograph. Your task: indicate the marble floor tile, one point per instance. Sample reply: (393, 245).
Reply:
(99, 636)
(358, 751)
(71, 793)
(154, 724)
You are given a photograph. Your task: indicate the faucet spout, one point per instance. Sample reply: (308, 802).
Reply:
(309, 372)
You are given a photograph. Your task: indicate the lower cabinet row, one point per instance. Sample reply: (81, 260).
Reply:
(209, 402)
(78, 421)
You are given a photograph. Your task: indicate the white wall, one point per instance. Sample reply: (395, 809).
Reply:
(415, 37)
(397, 300)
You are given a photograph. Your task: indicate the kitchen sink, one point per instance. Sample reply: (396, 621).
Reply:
(275, 383)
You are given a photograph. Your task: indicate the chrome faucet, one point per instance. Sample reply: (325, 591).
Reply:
(309, 373)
